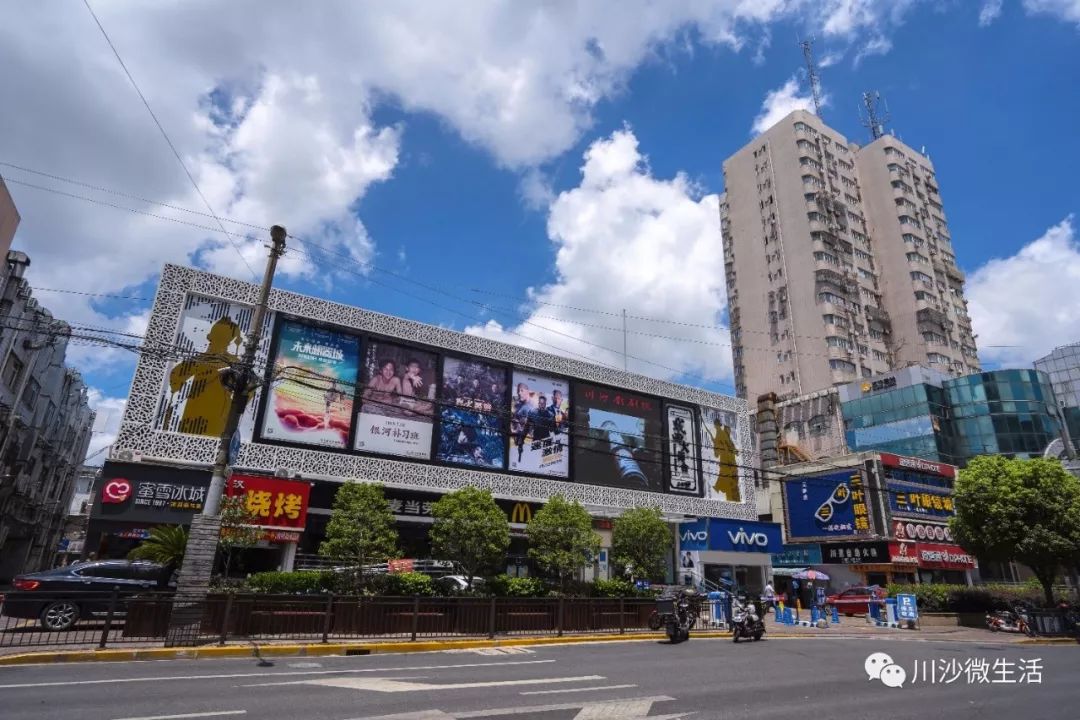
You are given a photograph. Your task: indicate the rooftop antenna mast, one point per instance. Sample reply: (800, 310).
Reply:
(812, 74)
(874, 120)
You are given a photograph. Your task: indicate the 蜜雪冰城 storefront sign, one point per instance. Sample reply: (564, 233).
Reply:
(149, 494)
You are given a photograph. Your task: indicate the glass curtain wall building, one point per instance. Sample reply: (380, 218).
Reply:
(1063, 367)
(922, 413)
(1012, 412)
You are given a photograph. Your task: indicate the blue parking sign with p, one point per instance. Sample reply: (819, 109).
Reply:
(906, 608)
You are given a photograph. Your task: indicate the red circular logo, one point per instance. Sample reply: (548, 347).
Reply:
(116, 491)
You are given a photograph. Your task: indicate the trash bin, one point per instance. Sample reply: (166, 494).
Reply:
(716, 604)
(890, 610)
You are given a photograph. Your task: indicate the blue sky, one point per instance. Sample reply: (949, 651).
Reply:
(568, 149)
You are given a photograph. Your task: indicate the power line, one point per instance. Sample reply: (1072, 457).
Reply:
(118, 193)
(89, 294)
(166, 136)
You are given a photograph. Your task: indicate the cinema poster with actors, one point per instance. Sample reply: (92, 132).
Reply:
(473, 399)
(397, 401)
(619, 438)
(539, 424)
(311, 392)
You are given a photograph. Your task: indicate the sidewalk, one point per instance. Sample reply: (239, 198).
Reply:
(850, 628)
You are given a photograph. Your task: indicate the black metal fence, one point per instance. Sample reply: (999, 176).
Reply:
(106, 619)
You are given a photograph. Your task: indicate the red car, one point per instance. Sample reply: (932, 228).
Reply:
(854, 600)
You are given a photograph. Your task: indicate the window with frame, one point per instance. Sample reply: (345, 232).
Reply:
(13, 370)
(819, 424)
(31, 392)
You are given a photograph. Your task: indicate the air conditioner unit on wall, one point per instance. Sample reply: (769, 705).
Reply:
(129, 456)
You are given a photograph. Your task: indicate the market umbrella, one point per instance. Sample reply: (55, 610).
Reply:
(810, 575)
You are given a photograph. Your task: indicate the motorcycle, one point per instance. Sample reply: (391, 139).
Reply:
(746, 622)
(1016, 620)
(677, 615)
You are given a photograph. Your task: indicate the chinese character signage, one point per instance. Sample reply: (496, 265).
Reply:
(539, 425)
(945, 557)
(683, 473)
(397, 401)
(903, 553)
(906, 607)
(855, 553)
(827, 506)
(619, 439)
(797, 556)
(407, 505)
(311, 392)
(273, 502)
(909, 501)
(918, 465)
(473, 397)
(210, 338)
(135, 492)
(719, 455)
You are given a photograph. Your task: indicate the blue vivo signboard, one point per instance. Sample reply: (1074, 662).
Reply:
(826, 506)
(744, 536)
(695, 535)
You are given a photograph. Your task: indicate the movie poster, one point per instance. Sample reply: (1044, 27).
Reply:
(211, 337)
(311, 393)
(539, 425)
(719, 455)
(472, 400)
(683, 473)
(619, 439)
(397, 402)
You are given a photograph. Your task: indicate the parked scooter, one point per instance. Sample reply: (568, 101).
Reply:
(1016, 620)
(677, 614)
(746, 622)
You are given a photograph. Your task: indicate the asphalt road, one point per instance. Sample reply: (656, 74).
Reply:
(617, 681)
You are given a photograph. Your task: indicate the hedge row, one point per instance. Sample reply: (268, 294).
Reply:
(961, 598)
(326, 581)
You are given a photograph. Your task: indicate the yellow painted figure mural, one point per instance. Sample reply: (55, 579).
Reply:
(207, 398)
(724, 464)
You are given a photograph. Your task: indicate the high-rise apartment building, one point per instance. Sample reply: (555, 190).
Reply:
(9, 219)
(839, 262)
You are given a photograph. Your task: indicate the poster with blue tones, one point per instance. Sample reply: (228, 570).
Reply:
(820, 506)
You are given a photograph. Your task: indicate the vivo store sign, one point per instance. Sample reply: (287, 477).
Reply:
(731, 536)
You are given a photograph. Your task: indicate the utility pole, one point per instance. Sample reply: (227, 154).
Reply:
(194, 581)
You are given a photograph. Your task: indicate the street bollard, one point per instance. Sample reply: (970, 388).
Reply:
(225, 619)
(814, 615)
(109, 618)
(835, 616)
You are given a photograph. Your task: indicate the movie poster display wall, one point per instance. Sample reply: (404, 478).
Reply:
(539, 425)
(618, 439)
(397, 401)
(311, 393)
(683, 471)
(473, 399)
(719, 454)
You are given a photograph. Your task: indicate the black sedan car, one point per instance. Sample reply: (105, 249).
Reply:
(59, 598)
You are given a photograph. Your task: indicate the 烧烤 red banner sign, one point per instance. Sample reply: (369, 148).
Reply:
(272, 501)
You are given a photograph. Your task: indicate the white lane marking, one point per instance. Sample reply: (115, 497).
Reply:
(574, 690)
(495, 651)
(305, 665)
(188, 715)
(263, 674)
(645, 702)
(548, 708)
(393, 685)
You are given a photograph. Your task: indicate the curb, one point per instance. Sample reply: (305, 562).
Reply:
(317, 649)
(1049, 641)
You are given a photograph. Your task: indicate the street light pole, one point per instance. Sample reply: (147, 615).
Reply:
(194, 581)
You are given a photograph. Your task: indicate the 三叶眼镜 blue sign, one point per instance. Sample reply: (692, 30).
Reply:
(906, 607)
(826, 506)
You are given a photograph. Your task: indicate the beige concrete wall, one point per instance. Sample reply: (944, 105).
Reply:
(9, 219)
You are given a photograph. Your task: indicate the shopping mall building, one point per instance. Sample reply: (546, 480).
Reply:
(351, 395)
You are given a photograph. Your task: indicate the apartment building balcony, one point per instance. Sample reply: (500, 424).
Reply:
(955, 273)
(931, 318)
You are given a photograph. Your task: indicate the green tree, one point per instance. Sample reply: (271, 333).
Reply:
(1026, 511)
(561, 538)
(238, 529)
(165, 546)
(361, 528)
(471, 530)
(641, 540)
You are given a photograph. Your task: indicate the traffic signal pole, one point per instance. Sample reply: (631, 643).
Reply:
(193, 585)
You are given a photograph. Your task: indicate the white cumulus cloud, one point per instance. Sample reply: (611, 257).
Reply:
(780, 102)
(1026, 304)
(1067, 10)
(626, 239)
(106, 424)
(989, 12)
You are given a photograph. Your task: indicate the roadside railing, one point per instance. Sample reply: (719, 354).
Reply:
(106, 619)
